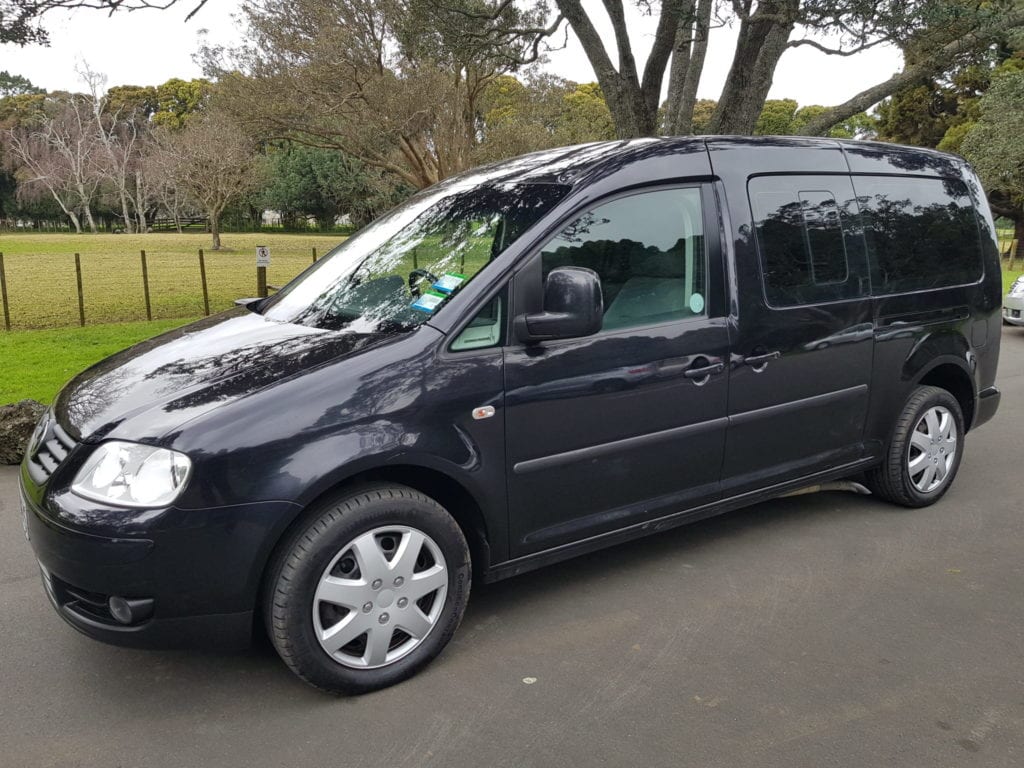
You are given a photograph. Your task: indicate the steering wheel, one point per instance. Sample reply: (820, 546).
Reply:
(416, 276)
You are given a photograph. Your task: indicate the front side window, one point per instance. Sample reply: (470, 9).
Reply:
(804, 237)
(484, 330)
(648, 250)
(400, 270)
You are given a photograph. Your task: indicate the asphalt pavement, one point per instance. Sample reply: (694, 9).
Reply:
(823, 630)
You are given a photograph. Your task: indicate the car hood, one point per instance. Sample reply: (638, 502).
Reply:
(152, 388)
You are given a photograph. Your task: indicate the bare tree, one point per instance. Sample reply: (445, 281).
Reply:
(157, 176)
(58, 153)
(214, 161)
(116, 141)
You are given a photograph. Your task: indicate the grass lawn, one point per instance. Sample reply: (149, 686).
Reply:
(41, 273)
(36, 364)
(1009, 277)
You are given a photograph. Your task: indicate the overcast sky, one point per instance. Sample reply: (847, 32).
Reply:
(150, 46)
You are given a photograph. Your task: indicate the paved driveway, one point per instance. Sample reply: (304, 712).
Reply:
(824, 630)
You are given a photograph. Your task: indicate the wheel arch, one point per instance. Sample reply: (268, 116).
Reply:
(952, 375)
(444, 489)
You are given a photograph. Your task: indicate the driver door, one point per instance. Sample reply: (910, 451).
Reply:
(629, 424)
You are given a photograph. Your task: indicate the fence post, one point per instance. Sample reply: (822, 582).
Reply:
(202, 276)
(314, 254)
(145, 286)
(81, 297)
(3, 294)
(261, 282)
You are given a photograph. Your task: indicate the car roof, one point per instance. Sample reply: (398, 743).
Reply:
(569, 165)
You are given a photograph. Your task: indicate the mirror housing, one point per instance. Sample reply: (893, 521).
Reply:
(573, 307)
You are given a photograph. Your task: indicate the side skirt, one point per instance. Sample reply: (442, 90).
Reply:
(546, 557)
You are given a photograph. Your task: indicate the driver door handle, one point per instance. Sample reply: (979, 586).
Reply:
(704, 371)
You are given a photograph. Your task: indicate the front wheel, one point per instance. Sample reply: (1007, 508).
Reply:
(924, 451)
(369, 590)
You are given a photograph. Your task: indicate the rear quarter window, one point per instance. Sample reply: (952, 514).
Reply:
(922, 233)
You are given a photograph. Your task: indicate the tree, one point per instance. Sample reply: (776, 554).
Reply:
(325, 183)
(542, 111)
(56, 155)
(16, 85)
(177, 101)
(396, 85)
(995, 147)
(776, 118)
(957, 33)
(21, 20)
(942, 30)
(214, 161)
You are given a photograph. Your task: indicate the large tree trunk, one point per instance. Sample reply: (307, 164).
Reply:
(688, 53)
(688, 95)
(87, 211)
(215, 230)
(633, 103)
(762, 40)
(1017, 246)
(126, 214)
(629, 110)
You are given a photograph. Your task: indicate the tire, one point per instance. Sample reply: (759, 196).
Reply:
(361, 562)
(912, 440)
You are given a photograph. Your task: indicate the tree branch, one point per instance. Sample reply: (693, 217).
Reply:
(971, 41)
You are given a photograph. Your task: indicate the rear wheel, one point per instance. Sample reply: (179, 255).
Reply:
(369, 590)
(924, 451)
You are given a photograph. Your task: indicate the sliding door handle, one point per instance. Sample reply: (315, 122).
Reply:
(759, 362)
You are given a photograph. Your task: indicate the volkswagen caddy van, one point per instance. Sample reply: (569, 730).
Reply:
(528, 361)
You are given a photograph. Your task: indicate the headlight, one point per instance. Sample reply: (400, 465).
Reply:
(133, 475)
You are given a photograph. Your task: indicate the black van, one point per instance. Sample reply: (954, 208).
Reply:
(531, 360)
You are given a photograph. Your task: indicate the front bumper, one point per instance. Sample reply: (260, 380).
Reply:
(200, 568)
(1013, 310)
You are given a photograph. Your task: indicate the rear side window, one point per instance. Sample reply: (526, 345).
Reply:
(922, 233)
(805, 235)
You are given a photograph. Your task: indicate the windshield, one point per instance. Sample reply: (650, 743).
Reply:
(398, 271)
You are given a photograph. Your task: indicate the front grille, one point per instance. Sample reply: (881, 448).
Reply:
(54, 446)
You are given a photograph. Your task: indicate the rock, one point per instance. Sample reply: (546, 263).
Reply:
(16, 424)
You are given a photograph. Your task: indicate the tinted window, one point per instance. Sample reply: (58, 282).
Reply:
(648, 250)
(804, 238)
(922, 233)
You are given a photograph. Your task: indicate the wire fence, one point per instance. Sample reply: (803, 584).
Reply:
(152, 284)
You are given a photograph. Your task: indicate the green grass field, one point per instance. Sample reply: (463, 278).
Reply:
(36, 364)
(41, 283)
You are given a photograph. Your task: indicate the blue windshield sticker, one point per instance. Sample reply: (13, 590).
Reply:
(428, 302)
(448, 282)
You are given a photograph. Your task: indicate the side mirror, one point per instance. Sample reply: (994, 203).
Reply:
(252, 304)
(573, 307)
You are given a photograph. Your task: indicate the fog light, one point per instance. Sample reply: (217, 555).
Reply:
(126, 611)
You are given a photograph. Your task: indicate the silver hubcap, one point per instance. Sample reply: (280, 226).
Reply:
(380, 597)
(932, 449)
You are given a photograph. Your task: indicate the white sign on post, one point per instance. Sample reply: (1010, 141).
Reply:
(262, 256)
